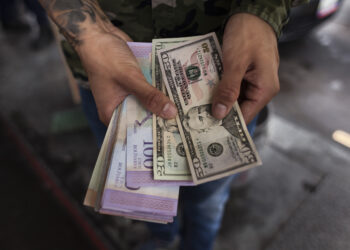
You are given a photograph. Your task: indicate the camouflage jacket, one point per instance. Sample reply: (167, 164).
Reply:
(143, 20)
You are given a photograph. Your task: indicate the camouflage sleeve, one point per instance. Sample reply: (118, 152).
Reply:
(274, 12)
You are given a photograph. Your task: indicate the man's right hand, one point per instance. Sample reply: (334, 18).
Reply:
(112, 69)
(114, 73)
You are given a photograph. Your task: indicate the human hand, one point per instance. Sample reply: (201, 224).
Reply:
(114, 73)
(251, 60)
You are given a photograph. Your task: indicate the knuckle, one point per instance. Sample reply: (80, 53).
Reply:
(228, 94)
(154, 100)
(276, 87)
(234, 67)
(102, 117)
(130, 74)
(277, 59)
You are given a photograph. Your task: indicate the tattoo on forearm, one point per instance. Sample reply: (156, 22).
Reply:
(69, 15)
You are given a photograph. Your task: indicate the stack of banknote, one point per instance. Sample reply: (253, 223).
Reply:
(144, 159)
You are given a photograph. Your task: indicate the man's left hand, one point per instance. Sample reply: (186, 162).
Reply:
(251, 60)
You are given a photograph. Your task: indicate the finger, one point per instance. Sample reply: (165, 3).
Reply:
(228, 89)
(259, 93)
(152, 99)
(107, 96)
(250, 109)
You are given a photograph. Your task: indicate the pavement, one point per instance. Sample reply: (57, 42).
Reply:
(30, 217)
(298, 199)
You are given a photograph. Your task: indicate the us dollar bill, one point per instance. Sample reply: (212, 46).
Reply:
(214, 148)
(169, 158)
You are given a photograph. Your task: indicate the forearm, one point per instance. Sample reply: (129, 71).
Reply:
(77, 19)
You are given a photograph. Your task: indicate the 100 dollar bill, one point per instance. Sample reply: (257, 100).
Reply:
(214, 148)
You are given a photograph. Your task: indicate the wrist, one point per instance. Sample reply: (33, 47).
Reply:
(94, 34)
(251, 25)
(276, 15)
(90, 32)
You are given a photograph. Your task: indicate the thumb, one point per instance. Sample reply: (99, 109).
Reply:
(227, 91)
(156, 102)
(151, 98)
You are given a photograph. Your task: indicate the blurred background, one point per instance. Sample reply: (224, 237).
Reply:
(298, 199)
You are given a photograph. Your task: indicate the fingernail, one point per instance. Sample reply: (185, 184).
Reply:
(169, 111)
(219, 111)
